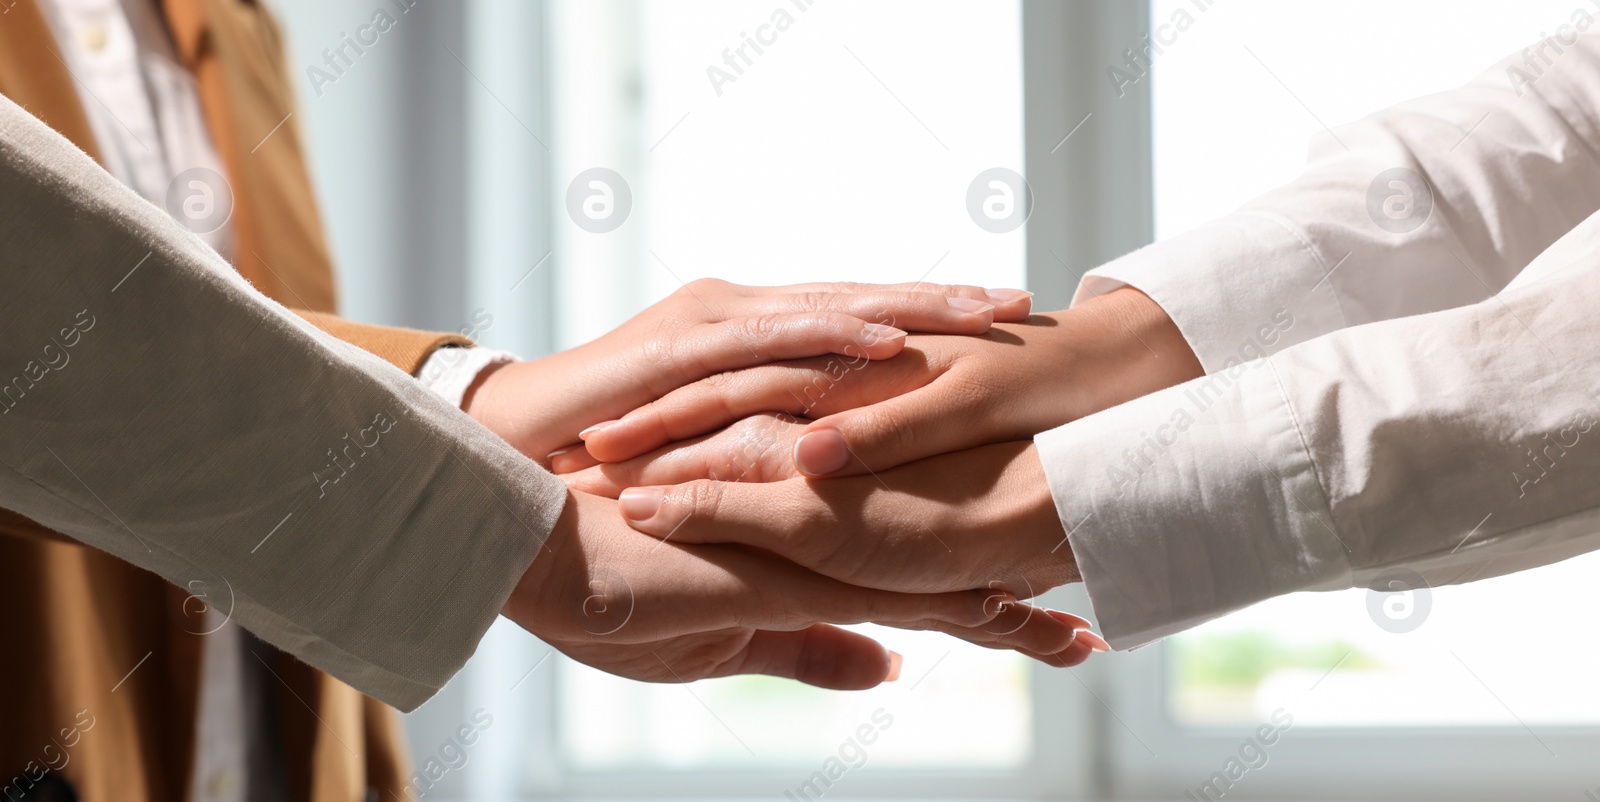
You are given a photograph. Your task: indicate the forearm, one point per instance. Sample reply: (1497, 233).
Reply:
(1495, 175)
(1450, 445)
(1119, 346)
(160, 409)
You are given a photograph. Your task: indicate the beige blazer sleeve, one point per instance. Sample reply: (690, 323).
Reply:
(155, 406)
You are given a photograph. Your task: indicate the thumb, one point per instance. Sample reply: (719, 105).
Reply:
(821, 655)
(879, 437)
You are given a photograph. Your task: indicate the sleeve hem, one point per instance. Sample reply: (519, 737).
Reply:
(1209, 282)
(1191, 503)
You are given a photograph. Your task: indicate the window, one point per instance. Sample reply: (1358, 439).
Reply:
(778, 143)
(1272, 58)
(842, 148)
(1448, 707)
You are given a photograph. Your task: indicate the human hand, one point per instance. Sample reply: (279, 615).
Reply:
(759, 448)
(638, 607)
(982, 518)
(940, 394)
(708, 327)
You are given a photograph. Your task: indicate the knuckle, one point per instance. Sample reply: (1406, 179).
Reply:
(715, 386)
(706, 286)
(892, 433)
(815, 301)
(763, 328)
(701, 498)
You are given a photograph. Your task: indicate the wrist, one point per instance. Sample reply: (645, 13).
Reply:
(474, 401)
(501, 398)
(1124, 346)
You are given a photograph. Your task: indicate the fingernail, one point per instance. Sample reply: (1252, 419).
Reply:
(1002, 297)
(874, 333)
(1002, 601)
(584, 435)
(640, 504)
(1095, 642)
(564, 464)
(821, 452)
(894, 666)
(970, 305)
(558, 452)
(1076, 622)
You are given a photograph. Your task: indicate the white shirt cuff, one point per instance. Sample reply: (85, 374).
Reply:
(1210, 282)
(450, 371)
(1173, 513)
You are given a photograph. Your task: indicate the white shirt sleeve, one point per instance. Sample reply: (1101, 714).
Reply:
(1498, 170)
(1457, 445)
(155, 406)
(448, 372)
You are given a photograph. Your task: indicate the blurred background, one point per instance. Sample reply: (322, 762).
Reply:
(536, 171)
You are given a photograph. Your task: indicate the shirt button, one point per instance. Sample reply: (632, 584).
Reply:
(94, 37)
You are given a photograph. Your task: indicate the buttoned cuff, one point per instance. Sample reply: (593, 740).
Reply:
(1190, 503)
(1239, 288)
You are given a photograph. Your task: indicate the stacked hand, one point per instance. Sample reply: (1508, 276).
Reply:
(713, 417)
(709, 327)
(654, 609)
(639, 607)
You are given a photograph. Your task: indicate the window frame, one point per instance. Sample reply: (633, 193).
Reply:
(1100, 730)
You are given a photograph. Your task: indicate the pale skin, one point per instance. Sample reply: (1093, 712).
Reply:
(629, 603)
(914, 475)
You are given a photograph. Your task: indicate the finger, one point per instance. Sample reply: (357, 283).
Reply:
(755, 449)
(1011, 306)
(810, 388)
(572, 459)
(1075, 653)
(944, 525)
(908, 311)
(761, 335)
(820, 655)
(692, 588)
(1094, 641)
(819, 528)
(1020, 627)
(886, 435)
(782, 331)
